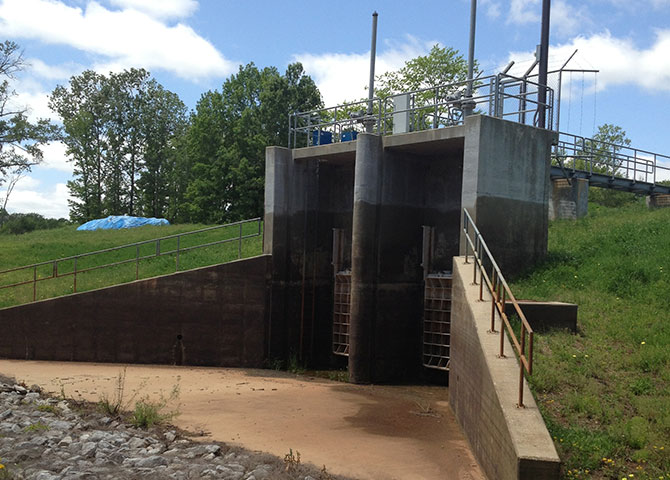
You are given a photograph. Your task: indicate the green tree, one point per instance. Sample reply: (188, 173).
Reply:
(163, 123)
(229, 132)
(119, 130)
(605, 152)
(20, 139)
(442, 66)
(83, 109)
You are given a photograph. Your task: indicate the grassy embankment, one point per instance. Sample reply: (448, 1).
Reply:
(605, 392)
(44, 245)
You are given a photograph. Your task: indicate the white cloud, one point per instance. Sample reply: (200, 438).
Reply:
(522, 12)
(52, 72)
(162, 9)
(29, 197)
(619, 60)
(492, 8)
(344, 76)
(566, 19)
(55, 157)
(130, 38)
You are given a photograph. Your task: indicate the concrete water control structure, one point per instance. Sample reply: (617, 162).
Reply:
(389, 199)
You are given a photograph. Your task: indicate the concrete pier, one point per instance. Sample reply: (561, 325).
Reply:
(569, 199)
(380, 192)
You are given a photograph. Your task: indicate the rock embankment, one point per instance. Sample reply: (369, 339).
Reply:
(43, 438)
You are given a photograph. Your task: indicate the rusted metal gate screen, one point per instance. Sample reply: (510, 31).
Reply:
(437, 321)
(341, 313)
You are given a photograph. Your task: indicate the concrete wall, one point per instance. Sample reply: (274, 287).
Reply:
(305, 198)
(212, 316)
(509, 442)
(506, 188)
(569, 200)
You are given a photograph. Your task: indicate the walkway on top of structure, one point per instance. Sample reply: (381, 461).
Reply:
(603, 164)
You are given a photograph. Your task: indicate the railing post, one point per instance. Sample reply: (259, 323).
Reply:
(55, 273)
(177, 258)
(493, 299)
(239, 244)
(521, 385)
(502, 337)
(74, 287)
(34, 283)
(137, 262)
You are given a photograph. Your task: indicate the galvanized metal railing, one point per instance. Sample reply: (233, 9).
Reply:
(577, 153)
(500, 294)
(53, 265)
(501, 95)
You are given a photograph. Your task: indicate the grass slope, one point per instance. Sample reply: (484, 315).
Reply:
(605, 392)
(45, 245)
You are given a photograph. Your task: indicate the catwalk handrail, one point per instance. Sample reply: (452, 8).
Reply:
(577, 153)
(500, 294)
(54, 273)
(429, 108)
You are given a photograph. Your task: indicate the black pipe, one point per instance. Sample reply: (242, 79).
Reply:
(544, 62)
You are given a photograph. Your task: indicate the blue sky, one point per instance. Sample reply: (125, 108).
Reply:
(192, 46)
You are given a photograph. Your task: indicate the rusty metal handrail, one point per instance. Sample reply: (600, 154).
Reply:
(500, 293)
(136, 259)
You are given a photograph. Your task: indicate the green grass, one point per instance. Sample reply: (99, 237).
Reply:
(46, 245)
(605, 392)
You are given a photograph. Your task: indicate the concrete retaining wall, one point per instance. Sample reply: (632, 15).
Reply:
(210, 316)
(509, 442)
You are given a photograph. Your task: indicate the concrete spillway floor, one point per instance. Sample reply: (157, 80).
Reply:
(365, 432)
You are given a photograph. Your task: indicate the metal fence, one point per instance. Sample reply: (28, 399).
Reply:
(71, 266)
(501, 95)
(490, 274)
(617, 161)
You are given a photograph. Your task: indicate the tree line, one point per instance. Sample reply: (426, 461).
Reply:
(138, 151)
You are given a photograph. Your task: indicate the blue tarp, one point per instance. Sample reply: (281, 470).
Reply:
(114, 222)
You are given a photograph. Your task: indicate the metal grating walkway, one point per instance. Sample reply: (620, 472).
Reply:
(437, 321)
(341, 313)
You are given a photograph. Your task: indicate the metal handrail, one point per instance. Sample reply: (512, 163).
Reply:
(431, 108)
(617, 161)
(136, 259)
(500, 294)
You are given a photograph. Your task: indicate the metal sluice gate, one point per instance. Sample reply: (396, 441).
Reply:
(436, 332)
(341, 313)
(437, 321)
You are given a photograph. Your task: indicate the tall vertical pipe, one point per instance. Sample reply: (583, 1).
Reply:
(371, 87)
(544, 62)
(471, 57)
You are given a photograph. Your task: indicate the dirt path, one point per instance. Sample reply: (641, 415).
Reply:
(366, 432)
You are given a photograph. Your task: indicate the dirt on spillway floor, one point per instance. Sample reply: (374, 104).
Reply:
(365, 432)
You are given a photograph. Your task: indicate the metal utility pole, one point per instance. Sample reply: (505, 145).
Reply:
(369, 123)
(468, 104)
(544, 62)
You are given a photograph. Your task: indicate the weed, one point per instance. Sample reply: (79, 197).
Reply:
(324, 475)
(294, 365)
(36, 427)
(338, 375)
(4, 472)
(115, 404)
(48, 408)
(148, 413)
(292, 461)
(274, 364)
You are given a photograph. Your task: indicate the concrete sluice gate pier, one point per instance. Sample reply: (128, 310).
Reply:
(360, 233)
(363, 236)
